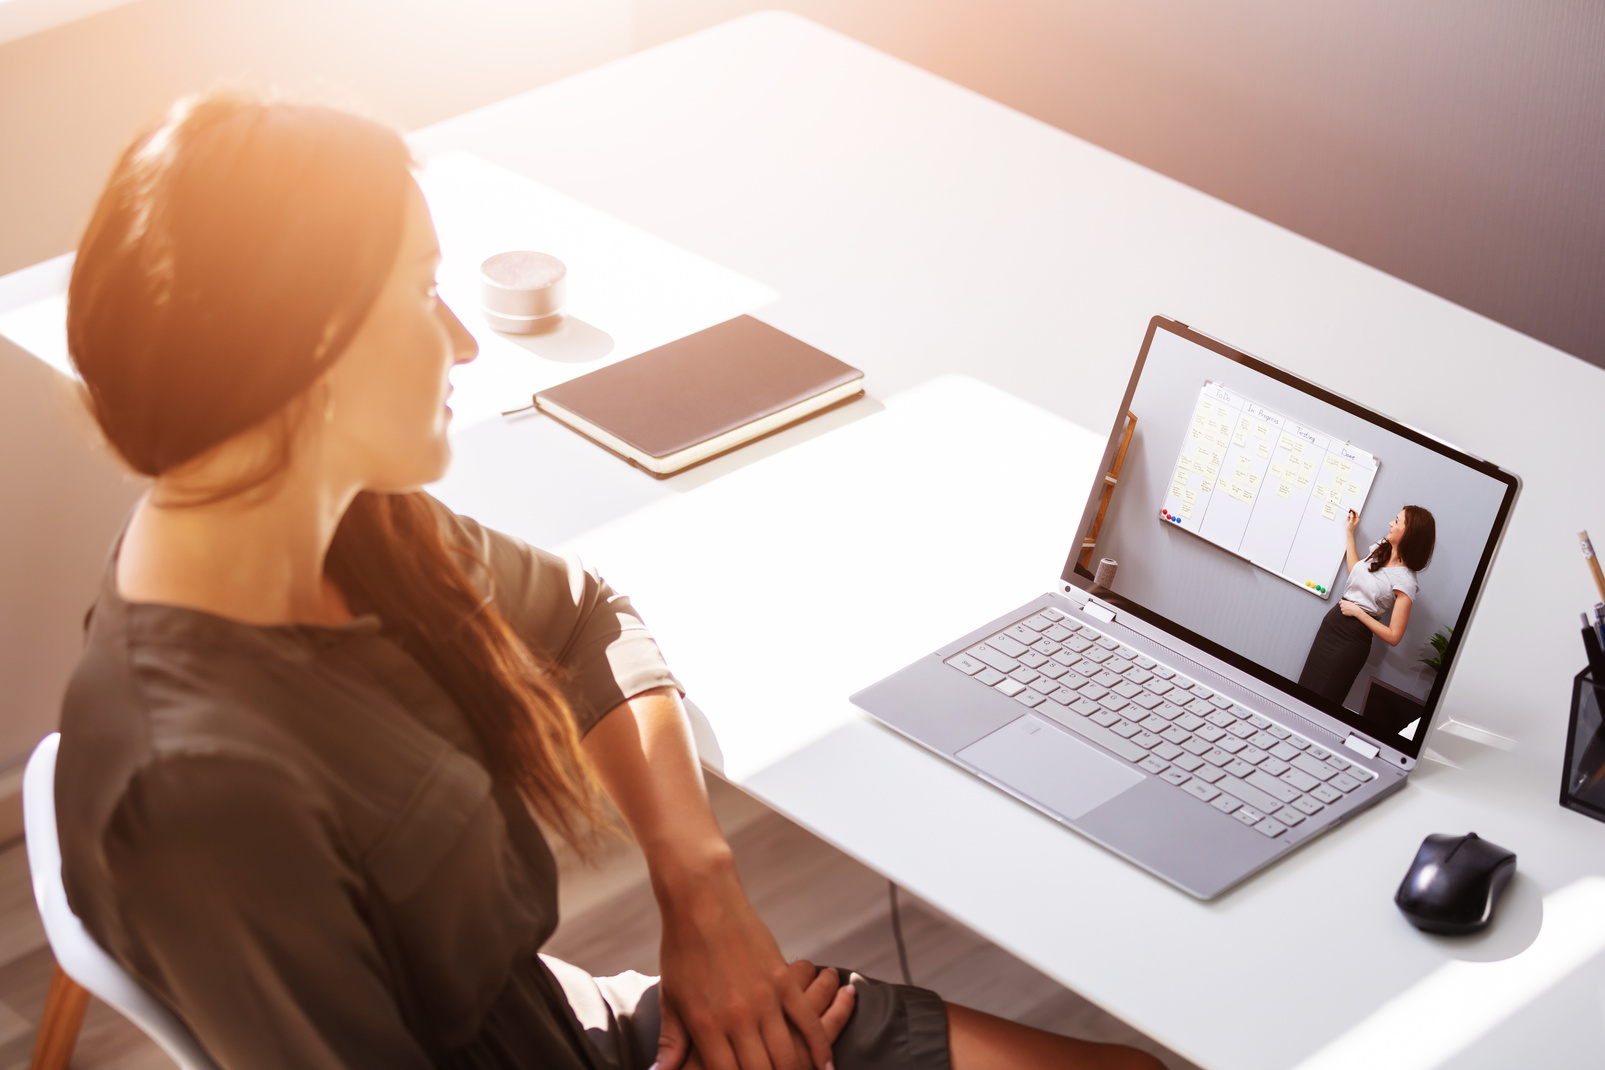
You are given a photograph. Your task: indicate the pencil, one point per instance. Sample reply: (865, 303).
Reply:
(1593, 562)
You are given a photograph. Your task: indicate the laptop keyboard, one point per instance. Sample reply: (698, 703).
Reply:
(1215, 750)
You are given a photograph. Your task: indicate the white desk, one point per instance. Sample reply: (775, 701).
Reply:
(916, 230)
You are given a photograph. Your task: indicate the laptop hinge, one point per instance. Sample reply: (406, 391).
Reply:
(1099, 609)
(1361, 747)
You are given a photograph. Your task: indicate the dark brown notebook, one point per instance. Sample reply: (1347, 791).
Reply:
(693, 399)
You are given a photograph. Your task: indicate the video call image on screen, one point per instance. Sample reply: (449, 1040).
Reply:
(1230, 519)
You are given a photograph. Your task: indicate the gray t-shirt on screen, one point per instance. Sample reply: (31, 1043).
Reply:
(1374, 591)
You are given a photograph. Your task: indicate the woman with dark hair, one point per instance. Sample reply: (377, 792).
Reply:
(1384, 589)
(319, 717)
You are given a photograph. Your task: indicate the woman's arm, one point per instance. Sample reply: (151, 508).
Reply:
(1353, 551)
(723, 973)
(1391, 632)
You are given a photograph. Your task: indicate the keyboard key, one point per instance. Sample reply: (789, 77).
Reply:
(1145, 662)
(1194, 745)
(1247, 816)
(1170, 711)
(1174, 776)
(995, 658)
(1298, 742)
(1139, 676)
(1241, 729)
(1216, 756)
(1102, 716)
(1264, 741)
(1252, 755)
(1218, 718)
(1127, 689)
(1337, 763)
(1064, 696)
(1025, 675)
(1230, 744)
(1176, 735)
(1200, 790)
(1051, 670)
(1158, 686)
(1181, 682)
(1070, 681)
(1187, 761)
(1325, 794)
(1259, 722)
(1161, 671)
(1146, 700)
(1076, 643)
(1106, 739)
(1099, 656)
(966, 664)
(1224, 803)
(1087, 668)
(1223, 702)
(1238, 768)
(1152, 765)
(1318, 770)
(1114, 701)
(1270, 827)
(1320, 752)
(1209, 732)
(1093, 691)
(1033, 658)
(1278, 731)
(1087, 708)
(1190, 721)
(1277, 789)
(1127, 652)
(1168, 750)
(1297, 780)
(989, 676)
(1040, 622)
(1360, 772)
(1107, 679)
(1146, 740)
(1108, 643)
(1064, 657)
(1208, 773)
(1044, 686)
(1010, 687)
(1201, 707)
(1284, 752)
(1274, 766)
(1288, 816)
(1344, 782)
(1055, 614)
(1249, 794)
(1021, 634)
(1307, 805)
(1118, 664)
(1007, 645)
(1125, 729)
(1153, 724)
(1059, 633)
(1030, 698)
(1203, 692)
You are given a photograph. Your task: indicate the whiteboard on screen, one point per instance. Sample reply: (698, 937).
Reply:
(1272, 490)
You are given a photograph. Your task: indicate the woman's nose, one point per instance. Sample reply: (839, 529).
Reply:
(463, 346)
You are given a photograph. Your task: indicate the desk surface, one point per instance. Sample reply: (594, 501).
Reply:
(993, 276)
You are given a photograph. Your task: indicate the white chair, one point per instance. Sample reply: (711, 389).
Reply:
(79, 960)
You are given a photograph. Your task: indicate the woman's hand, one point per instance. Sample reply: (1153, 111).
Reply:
(724, 979)
(1353, 521)
(832, 1000)
(1349, 609)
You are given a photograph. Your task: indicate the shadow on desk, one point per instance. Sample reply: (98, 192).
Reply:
(529, 475)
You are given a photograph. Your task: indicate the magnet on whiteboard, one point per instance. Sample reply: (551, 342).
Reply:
(522, 292)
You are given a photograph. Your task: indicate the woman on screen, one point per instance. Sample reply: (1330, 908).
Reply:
(1386, 582)
(322, 725)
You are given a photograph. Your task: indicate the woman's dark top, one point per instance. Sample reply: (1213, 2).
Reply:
(288, 833)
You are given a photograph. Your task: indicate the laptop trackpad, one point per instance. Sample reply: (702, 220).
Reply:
(1055, 769)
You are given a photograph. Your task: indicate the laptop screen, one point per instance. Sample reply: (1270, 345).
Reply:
(1297, 535)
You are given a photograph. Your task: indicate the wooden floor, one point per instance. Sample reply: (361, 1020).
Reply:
(821, 905)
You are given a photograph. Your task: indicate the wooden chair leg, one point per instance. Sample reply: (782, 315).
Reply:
(58, 1027)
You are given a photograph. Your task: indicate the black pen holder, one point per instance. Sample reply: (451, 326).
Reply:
(1583, 786)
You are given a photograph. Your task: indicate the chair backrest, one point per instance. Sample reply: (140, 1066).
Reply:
(76, 951)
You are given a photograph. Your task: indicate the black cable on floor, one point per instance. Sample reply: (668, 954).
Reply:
(897, 934)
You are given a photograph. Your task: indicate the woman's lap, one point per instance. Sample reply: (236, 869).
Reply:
(891, 1026)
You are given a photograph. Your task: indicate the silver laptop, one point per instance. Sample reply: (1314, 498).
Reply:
(1181, 694)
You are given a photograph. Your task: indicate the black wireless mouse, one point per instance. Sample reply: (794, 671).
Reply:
(1454, 882)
